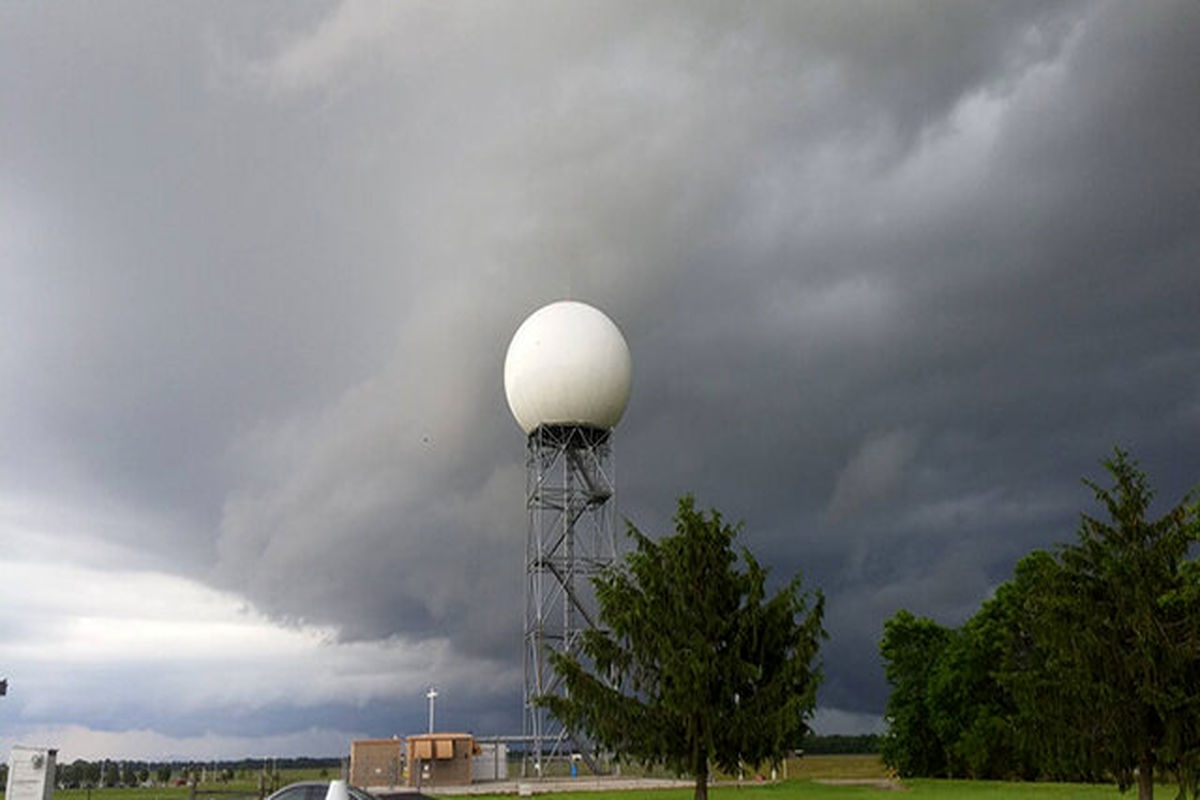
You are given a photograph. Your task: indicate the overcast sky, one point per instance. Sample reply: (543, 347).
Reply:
(895, 276)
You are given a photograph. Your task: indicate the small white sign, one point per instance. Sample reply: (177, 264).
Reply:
(30, 773)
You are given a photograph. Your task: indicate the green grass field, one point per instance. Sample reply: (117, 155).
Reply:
(803, 783)
(807, 789)
(818, 766)
(805, 776)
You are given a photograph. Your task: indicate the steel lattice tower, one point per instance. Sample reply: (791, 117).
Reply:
(567, 376)
(569, 495)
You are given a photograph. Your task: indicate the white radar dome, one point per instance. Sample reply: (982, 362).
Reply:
(567, 364)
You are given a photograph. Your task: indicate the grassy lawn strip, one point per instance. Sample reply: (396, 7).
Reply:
(803, 775)
(912, 790)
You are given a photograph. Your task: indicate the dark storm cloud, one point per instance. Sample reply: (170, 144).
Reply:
(894, 277)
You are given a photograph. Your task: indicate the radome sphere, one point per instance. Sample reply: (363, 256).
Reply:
(567, 364)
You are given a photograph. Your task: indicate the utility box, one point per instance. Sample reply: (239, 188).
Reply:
(377, 762)
(491, 763)
(30, 773)
(440, 759)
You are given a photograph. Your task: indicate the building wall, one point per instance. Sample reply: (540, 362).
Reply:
(440, 759)
(376, 762)
(491, 763)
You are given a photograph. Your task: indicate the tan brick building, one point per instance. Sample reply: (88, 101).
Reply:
(377, 762)
(440, 759)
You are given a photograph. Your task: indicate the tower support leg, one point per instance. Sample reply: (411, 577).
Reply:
(570, 490)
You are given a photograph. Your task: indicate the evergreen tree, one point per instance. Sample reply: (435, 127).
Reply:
(1115, 655)
(695, 665)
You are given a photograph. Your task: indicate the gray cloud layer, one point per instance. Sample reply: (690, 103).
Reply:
(894, 277)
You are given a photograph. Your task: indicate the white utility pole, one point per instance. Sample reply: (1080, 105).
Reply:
(431, 695)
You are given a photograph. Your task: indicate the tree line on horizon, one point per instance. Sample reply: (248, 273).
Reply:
(838, 744)
(1085, 666)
